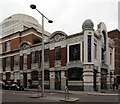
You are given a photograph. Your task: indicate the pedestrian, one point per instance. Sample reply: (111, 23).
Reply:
(113, 86)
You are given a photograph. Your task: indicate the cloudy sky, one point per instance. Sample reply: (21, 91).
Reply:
(68, 15)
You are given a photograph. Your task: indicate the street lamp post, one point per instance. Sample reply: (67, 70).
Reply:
(50, 21)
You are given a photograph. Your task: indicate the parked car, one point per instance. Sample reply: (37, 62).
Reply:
(17, 87)
(4, 85)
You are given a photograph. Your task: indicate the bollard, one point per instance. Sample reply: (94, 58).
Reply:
(66, 92)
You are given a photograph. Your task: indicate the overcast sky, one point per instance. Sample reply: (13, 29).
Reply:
(68, 15)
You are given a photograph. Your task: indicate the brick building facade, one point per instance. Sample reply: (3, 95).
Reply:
(82, 61)
(115, 35)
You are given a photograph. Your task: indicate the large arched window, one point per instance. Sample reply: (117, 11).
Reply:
(75, 74)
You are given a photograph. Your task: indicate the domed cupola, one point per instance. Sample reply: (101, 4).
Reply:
(87, 25)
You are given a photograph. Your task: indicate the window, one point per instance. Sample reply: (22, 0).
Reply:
(95, 51)
(16, 61)
(74, 52)
(0, 48)
(75, 74)
(34, 75)
(25, 59)
(58, 53)
(46, 59)
(0, 65)
(8, 62)
(89, 48)
(7, 76)
(35, 57)
(7, 46)
(46, 74)
(103, 56)
(110, 58)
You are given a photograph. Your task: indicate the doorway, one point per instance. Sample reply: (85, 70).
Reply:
(94, 80)
(103, 78)
(25, 79)
(58, 80)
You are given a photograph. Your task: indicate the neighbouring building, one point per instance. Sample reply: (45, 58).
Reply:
(82, 61)
(19, 22)
(115, 35)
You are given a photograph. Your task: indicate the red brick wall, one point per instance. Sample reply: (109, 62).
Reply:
(3, 46)
(30, 38)
(52, 58)
(15, 43)
(115, 35)
(63, 56)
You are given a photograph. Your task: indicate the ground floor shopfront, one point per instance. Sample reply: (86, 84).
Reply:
(76, 78)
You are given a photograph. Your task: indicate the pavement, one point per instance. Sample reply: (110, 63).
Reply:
(102, 93)
(94, 93)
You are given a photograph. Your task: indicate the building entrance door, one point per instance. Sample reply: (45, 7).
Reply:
(58, 80)
(25, 79)
(103, 79)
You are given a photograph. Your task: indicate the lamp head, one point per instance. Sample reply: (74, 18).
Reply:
(33, 6)
(50, 21)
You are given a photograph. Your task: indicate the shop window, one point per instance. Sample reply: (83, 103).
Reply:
(46, 74)
(74, 52)
(7, 76)
(35, 76)
(75, 74)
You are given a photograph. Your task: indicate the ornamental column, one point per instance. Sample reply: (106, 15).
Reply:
(88, 64)
(108, 81)
(52, 64)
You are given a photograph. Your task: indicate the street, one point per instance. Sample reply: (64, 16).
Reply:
(55, 96)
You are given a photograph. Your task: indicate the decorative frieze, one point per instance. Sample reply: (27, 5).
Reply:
(57, 63)
(46, 64)
(75, 40)
(88, 66)
(111, 43)
(34, 66)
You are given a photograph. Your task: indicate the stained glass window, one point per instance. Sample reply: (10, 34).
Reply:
(89, 48)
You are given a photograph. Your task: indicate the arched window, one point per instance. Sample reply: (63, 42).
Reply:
(75, 74)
